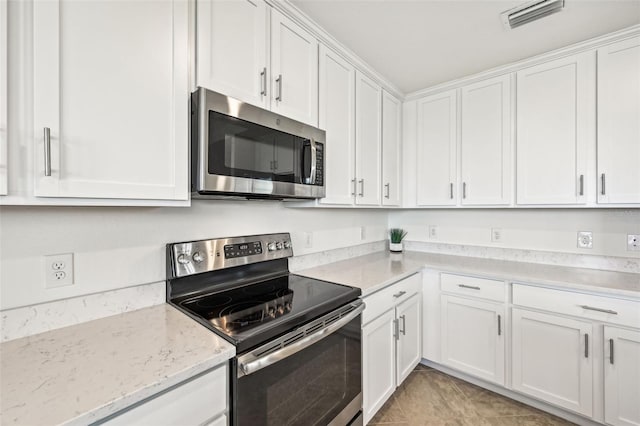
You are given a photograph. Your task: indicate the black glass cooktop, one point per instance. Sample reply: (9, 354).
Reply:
(252, 314)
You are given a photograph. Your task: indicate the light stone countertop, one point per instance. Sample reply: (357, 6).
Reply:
(375, 271)
(83, 373)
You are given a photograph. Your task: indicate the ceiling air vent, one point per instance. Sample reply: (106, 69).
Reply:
(530, 11)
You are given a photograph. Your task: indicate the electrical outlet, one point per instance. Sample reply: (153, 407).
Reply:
(633, 242)
(433, 232)
(308, 239)
(496, 235)
(58, 270)
(585, 239)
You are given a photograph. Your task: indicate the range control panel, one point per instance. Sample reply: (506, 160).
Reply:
(195, 257)
(243, 249)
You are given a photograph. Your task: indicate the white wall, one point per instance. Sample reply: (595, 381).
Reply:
(122, 247)
(530, 229)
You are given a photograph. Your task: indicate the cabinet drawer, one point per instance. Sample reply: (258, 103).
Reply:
(599, 308)
(388, 297)
(471, 286)
(195, 402)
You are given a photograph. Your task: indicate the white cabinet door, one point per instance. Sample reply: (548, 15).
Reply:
(3, 97)
(619, 122)
(232, 45)
(554, 104)
(378, 363)
(473, 337)
(485, 148)
(391, 138)
(552, 359)
(436, 162)
(409, 350)
(337, 118)
(294, 70)
(111, 85)
(368, 123)
(621, 376)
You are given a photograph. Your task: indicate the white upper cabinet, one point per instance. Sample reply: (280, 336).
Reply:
(619, 122)
(110, 99)
(485, 142)
(254, 53)
(436, 150)
(337, 117)
(391, 140)
(294, 70)
(3, 97)
(232, 49)
(368, 135)
(554, 106)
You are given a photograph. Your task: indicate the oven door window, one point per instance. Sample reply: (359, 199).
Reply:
(243, 149)
(311, 387)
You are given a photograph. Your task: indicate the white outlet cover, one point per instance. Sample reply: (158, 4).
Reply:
(633, 242)
(433, 232)
(496, 235)
(58, 270)
(585, 239)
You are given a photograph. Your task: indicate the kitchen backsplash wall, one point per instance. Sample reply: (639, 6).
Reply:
(124, 247)
(545, 230)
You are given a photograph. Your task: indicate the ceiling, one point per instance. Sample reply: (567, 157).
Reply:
(419, 43)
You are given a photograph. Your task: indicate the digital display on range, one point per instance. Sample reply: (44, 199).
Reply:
(243, 249)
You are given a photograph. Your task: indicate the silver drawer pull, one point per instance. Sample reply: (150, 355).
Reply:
(400, 294)
(611, 351)
(47, 151)
(591, 308)
(586, 345)
(472, 287)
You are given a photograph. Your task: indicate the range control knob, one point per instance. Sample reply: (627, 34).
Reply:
(287, 244)
(279, 245)
(197, 257)
(272, 246)
(183, 258)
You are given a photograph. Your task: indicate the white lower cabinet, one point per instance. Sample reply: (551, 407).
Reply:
(391, 346)
(199, 401)
(552, 359)
(473, 337)
(621, 376)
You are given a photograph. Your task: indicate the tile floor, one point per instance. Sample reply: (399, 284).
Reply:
(429, 397)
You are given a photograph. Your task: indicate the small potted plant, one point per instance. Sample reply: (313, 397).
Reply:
(396, 235)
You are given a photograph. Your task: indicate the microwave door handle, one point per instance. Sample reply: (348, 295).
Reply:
(314, 155)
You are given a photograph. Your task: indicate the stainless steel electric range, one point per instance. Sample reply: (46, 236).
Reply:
(297, 339)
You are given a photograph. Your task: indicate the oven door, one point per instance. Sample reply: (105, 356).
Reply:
(311, 376)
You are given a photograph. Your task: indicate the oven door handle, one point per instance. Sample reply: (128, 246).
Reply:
(250, 363)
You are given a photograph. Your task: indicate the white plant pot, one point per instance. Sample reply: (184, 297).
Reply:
(395, 247)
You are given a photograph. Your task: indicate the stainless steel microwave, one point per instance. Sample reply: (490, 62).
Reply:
(245, 151)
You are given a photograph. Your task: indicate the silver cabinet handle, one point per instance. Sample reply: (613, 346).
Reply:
(263, 82)
(499, 325)
(464, 190)
(361, 182)
(386, 186)
(581, 184)
(610, 351)
(399, 294)
(451, 191)
(472, 287)
(47, 151)
(404, 325)
(603, 190)
(591, 308)
(586, 345)
(353, 186)
(279, 85)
